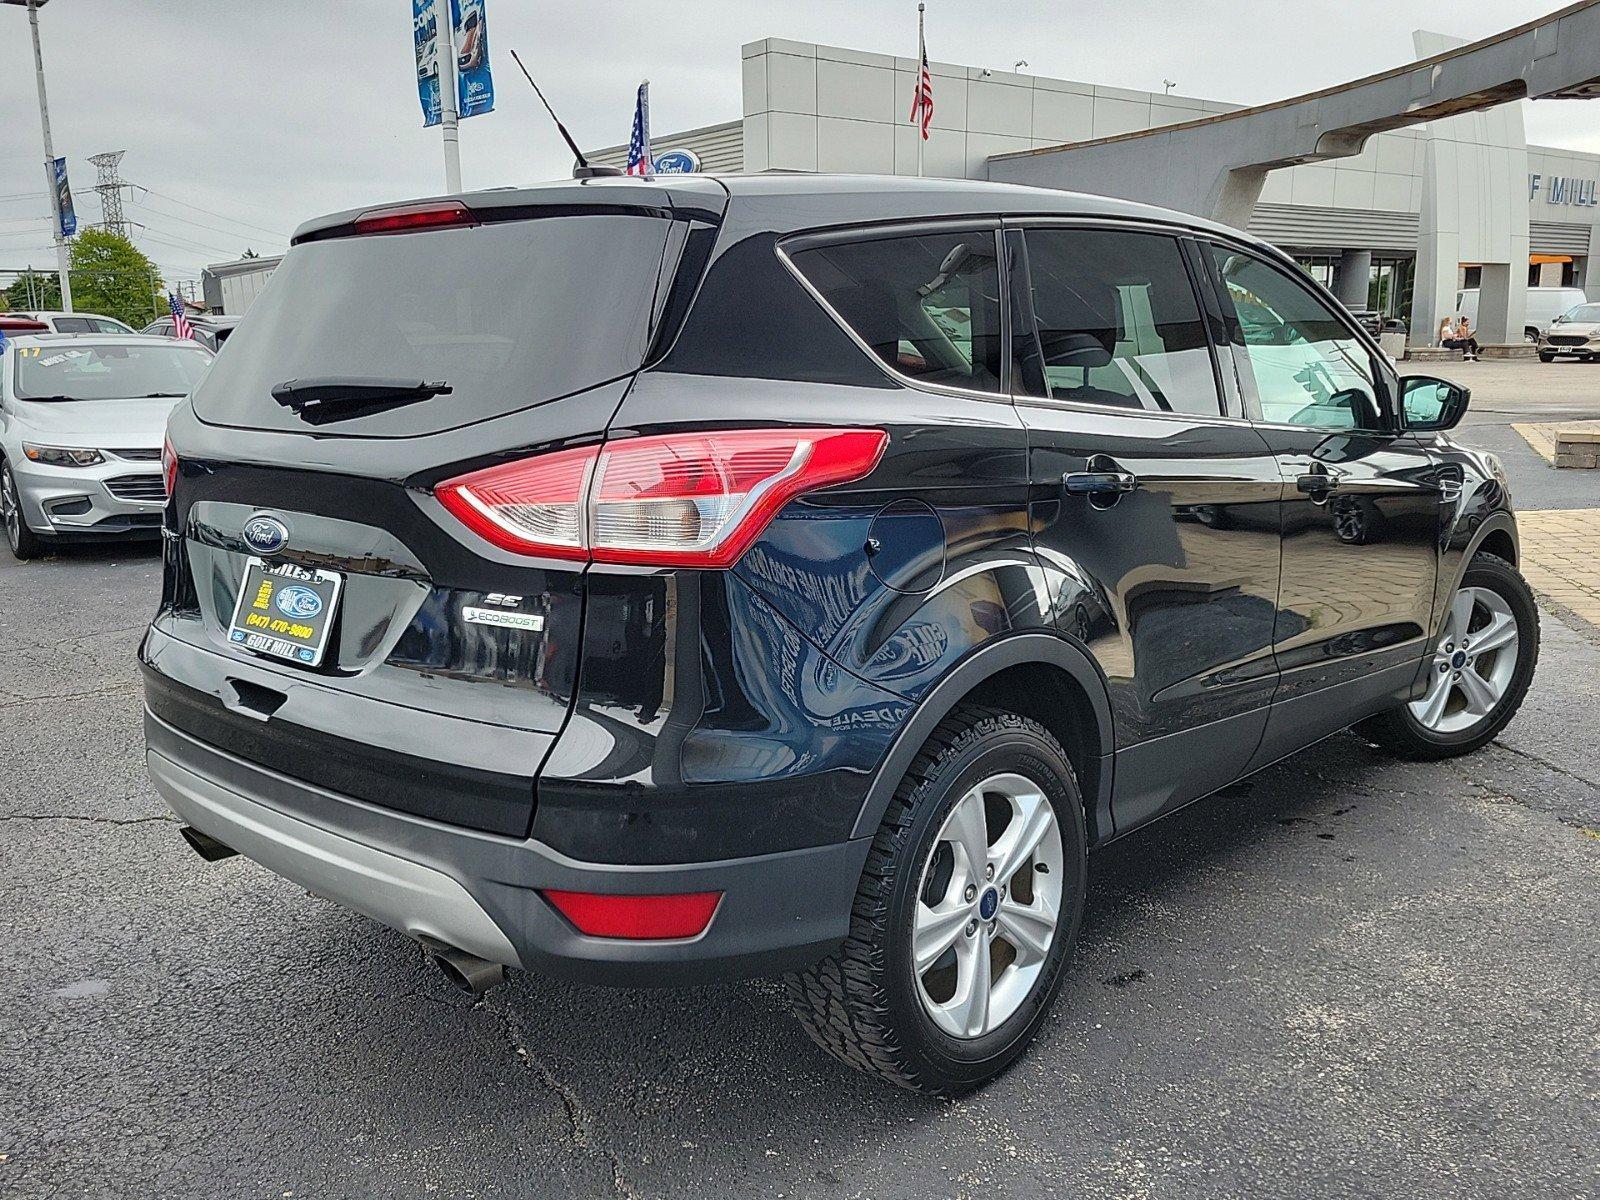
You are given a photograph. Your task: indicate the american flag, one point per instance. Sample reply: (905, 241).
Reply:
(180, 323)
(639, 144)
(922, 102)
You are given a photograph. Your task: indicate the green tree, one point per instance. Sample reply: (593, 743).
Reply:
(109, 276)
(33, 290)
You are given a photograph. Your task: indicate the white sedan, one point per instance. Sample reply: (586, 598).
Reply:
(81, 426)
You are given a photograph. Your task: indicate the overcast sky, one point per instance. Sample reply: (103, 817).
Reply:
(243, 117)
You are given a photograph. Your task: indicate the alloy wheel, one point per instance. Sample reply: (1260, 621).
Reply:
(1473, 664)
(988, 906)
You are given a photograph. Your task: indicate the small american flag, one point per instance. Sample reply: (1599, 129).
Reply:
(639, 144)
(922, 101)
(180, 323)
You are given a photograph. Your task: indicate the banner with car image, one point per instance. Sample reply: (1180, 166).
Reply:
(474, 83)
(425, 33)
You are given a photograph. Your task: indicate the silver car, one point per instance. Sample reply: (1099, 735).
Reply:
(1576, 331)
(81, 426)
(75, 322)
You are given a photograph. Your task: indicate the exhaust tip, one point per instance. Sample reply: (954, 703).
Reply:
(206, 846)
(467, 972)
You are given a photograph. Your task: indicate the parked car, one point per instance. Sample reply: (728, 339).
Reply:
(210, 330)
(1575, 332)
(75, 322)
(814, 607)
(14, 323)
(81, 421)
(1545, 304)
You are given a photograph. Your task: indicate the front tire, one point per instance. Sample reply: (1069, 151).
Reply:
(1479, 672)
(24, 542)
(966, 915)
(1546, 357)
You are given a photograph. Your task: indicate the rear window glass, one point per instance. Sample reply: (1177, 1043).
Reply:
(928, 306)
(82, 370)
(509, 315)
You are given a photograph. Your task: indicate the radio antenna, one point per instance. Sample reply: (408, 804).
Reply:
(583, 163)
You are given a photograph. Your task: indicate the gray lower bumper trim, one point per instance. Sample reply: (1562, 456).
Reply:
(406, 895)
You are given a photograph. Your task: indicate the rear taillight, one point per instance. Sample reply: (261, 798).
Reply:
(683, 499)
(169, 464)
(637, 918)
(402, 218)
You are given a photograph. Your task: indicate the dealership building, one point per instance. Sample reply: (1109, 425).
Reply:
(1432, 194)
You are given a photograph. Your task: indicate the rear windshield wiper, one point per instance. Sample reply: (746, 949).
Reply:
(340, 398)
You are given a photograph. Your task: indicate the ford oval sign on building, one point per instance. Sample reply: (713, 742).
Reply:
(677, 162)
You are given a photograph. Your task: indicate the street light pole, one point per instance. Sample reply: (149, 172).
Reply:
(62, 255)
(449, 120)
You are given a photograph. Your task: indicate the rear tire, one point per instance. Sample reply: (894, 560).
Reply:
(984, 774)
(24, 542)
(1477, 678)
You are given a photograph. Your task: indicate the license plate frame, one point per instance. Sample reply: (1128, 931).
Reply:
(292, 619)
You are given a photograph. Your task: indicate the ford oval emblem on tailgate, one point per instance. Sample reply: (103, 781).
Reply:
(265, 535)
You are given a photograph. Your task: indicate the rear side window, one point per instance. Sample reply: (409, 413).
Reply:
(1116, 323)
(509, 315)
(928, 306)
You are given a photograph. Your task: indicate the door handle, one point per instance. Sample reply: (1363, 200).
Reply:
(1098, 483)
(1316, 483)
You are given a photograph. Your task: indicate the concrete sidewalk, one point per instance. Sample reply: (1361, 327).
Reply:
(1561, 559)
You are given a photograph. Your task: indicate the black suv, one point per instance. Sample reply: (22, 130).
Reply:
(654, 580)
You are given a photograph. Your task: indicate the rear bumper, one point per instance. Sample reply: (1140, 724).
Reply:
(480, 891)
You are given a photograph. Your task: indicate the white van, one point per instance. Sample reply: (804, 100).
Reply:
(1545, 304)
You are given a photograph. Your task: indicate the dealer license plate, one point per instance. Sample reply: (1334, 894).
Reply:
(285, 611)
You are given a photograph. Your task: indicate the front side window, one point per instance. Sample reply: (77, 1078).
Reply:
(1306, 365)
(927, 305)
(1116, 323)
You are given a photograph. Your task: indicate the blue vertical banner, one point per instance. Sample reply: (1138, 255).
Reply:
(474, 83)
(69, 219)
(425, 30)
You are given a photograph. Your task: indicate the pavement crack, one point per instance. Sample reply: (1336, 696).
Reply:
(580, 1120)
(166, 820)
(1545, 762)
(17, 700)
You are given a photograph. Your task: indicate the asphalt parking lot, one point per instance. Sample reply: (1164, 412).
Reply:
(1347, 976)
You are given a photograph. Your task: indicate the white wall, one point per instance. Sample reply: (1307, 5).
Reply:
(824, 108)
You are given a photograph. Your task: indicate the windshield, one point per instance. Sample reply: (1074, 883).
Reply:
(1584, 312)
(509, 315)
(82, 370)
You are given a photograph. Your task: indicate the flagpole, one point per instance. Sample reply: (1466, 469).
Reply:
(922, 54)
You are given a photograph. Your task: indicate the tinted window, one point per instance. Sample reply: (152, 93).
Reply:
(74, 325)
(1117, 323)
(928, 306)
(159, 329)
(1307, 367)
(510, 315)
(77, 370)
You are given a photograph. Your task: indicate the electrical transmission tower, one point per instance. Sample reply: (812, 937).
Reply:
(110, 186)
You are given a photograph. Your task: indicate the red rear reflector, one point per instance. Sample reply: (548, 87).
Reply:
(432, 215)
(639, 918)
(682, 499)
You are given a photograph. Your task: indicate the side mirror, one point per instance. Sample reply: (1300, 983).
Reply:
(1432, 404)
